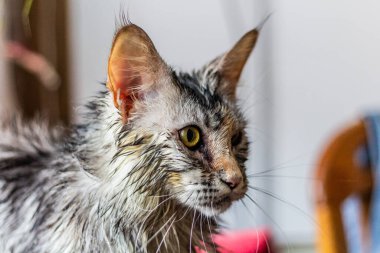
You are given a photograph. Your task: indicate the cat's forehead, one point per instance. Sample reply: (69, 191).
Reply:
(201, 84)
(203, 103)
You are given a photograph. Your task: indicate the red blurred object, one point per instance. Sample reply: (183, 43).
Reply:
(246, 241)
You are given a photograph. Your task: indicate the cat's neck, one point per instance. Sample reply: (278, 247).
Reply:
(95, 138)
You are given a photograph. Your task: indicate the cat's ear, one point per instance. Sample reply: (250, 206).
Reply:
(134, 67)
(231, 64)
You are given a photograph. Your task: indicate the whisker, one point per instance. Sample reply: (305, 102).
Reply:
(257, 233)
(341, 180)
(213, 215)
(303, 212)
(157, 232)
(200, 220)
(284, 176)
(163, 238)
(273, 195)
(209, 228)
(187, 209)
(288, 246)
(283, 167)
(191, 232)
(203, 239)
(177, 239)
(148, 215)
(165, 195)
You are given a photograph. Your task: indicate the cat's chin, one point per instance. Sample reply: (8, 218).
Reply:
(216, 208)
(211, 212)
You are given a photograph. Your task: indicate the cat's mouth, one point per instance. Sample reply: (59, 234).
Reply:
(216, 206)
(223, 201)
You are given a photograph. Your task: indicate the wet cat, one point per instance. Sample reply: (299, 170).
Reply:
(157, 157)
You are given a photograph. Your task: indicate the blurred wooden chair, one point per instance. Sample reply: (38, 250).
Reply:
(339, 175)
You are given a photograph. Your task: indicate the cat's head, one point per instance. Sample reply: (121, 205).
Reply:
(197, 140)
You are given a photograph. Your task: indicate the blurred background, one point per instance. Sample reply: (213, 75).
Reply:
(315, 69)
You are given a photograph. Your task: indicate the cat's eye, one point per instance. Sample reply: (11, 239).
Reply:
(236, 139)
(190, 137)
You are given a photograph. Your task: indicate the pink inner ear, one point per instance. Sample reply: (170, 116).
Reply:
(133, 66)
(124, 84)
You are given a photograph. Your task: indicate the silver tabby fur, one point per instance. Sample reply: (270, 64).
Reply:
(108, 186)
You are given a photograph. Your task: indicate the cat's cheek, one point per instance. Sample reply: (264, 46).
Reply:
(174, 183)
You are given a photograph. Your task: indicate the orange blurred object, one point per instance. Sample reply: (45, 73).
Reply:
(340, 176)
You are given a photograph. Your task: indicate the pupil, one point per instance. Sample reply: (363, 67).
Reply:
(190, 135)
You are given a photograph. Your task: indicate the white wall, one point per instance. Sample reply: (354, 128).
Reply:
(326, 74)
(316, 67)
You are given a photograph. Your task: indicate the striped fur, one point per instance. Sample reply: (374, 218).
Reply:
(108, 186)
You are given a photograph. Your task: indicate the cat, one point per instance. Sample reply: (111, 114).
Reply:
(157, 156)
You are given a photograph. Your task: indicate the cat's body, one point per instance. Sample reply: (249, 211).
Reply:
(124, 180)
(50, 201)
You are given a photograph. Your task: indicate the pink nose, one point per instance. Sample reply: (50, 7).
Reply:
(231, 182)
(229, 171)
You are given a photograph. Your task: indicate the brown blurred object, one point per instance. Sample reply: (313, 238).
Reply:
(39, 57)
(34, 63)
(339, 176)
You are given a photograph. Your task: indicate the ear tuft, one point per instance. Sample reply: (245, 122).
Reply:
(134, 65)
(232, 63)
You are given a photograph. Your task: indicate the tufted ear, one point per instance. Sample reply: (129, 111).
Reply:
(231, 64)
(134, 67)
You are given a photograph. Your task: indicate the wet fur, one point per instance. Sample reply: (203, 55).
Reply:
(107, 186)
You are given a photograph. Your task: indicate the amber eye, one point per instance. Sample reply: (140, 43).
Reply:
(190, 136)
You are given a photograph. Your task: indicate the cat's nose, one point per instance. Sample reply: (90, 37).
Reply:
(231, 182)
(229, 172)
